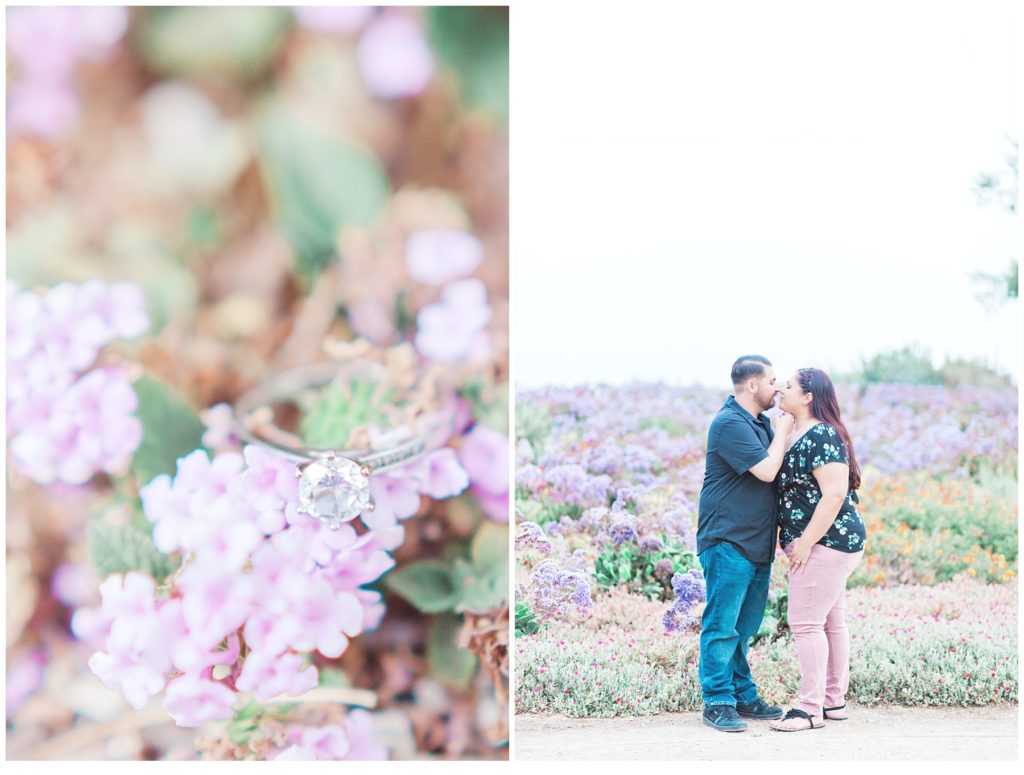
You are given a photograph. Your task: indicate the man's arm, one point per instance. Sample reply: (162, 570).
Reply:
(768, 468)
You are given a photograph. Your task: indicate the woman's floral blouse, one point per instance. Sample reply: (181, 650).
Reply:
(799, 492)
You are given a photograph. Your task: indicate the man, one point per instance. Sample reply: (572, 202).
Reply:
(736, 535)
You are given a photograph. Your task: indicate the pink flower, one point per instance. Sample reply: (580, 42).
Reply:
(269, 633)
(41, 109)
(296, 753)
(120, 307)
(439, 474)
(495, 506)
(89, 429)
(268, 675)
(224, 539)
(373, 608)
(485, 456)
(24, 675)
(192, 700)
(167, 508)
(329, 742)
(394, 57)
(201, 490)
(73, 584)
(217, 601)
(269, 485)
(129, 603)
(359, 726)
(333, 18)
(394, 498)
(137, 680)
(357, 566)
(436, 256)
(220, 434)
(453, 329)
(323, 618)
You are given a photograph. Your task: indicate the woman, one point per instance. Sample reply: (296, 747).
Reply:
(823, 536)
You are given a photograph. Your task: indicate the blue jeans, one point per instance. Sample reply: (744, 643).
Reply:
(737, 591)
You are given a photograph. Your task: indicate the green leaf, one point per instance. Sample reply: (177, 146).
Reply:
(319, 183)
(473, 41)
(490, 545)
(427, 584)
(526, 621)
(116, 549)
(170, 430)
(480, 589)
(330, 676)
(238, 43)
(449, 663)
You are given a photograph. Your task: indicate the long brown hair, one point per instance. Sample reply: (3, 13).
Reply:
(825, 407)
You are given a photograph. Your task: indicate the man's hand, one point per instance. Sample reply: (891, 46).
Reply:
(783, 424)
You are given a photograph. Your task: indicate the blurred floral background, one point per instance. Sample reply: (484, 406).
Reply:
(199, 198)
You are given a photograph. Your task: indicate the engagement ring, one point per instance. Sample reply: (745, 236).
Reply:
(334, 484)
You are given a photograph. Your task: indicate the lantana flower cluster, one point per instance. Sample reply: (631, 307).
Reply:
(46, 45)
(353, 740)
(393, 54)
(67, 423)
(262, 585)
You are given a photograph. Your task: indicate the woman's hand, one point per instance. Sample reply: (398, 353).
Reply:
(798, 557)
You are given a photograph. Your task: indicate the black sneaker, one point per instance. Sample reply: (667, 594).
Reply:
(759, 710)
(723, 718)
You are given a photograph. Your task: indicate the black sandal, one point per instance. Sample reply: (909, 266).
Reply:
(824, 713)
(797, 713)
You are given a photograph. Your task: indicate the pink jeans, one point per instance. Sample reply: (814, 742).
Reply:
(817, 617)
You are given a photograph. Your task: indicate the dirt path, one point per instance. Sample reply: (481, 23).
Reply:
(872, 733)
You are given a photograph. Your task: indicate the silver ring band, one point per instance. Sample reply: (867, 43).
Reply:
(432, 430)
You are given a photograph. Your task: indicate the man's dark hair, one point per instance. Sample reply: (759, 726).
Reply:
(748, 366)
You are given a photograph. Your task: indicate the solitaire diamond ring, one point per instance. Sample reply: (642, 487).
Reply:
(334, 484)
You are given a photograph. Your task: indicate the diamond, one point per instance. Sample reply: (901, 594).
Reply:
(334, 490)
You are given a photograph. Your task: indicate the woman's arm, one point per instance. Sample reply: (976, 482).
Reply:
(833, 481)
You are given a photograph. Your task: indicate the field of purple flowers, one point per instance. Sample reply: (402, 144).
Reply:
(609, 591)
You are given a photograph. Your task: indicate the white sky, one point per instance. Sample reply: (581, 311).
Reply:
(775, 178)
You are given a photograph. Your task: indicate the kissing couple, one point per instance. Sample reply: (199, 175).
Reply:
(792, 479)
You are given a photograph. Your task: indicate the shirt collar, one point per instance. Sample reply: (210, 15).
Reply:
(734, 405)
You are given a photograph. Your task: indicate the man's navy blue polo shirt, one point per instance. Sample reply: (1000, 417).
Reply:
(735, 505)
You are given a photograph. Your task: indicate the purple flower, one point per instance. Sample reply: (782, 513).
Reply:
(437, 256)
(359, 728)
(24, 675)
(452, 330)
(557, 593)
(440, 474)
(485, 456)
(324, 618)
(333, 18)
(217, 601)
(621, 531)
(201, 488)
(220, 434)
(192, 700)
(267, 675)
(90, 428)
(651, 544)
(531, 536)
(394, 497)
(394, 57)
(330, 742)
